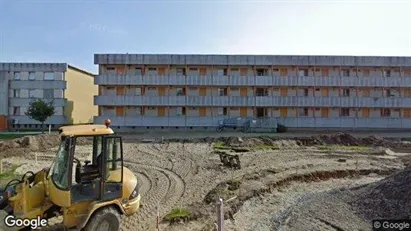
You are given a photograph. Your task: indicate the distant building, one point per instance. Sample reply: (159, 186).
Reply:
(71, 89)
(148, 90)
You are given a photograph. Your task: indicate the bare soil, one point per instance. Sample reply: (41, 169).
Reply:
(273, 188)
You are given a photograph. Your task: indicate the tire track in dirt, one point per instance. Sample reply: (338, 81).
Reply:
(165, 188)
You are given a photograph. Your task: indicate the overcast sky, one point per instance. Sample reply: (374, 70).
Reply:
(72, 31)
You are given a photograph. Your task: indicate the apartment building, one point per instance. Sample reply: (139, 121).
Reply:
(146, 90)
(71, 89)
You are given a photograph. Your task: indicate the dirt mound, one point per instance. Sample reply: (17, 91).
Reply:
(34, 143)
(387, 199)
(23, 145)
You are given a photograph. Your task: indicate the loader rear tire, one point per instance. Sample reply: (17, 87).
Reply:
(106, 219)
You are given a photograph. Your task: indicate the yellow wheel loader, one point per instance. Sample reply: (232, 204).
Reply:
(89, 196)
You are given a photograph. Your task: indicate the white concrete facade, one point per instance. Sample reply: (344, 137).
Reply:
(297, 91)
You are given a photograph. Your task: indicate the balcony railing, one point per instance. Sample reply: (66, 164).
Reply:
(300, 122)
(250, 101)
(252, 81)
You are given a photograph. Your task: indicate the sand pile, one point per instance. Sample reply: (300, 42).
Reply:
(387, 199)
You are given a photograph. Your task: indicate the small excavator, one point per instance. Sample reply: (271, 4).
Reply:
(92, 195)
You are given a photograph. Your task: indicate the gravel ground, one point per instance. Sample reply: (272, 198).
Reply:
(182, 174)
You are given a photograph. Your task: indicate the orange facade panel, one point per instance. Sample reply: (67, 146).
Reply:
(283, 112)
(203, 91)
(161, 111)
(243, 112)
(119, 111)
(365, 113)
(120, 90)
(324, 92)
(325, 72)
(243, 91)
(121, 69)
(161, 71)
(243, 71)
(283, 72)
(283, 91)
(324, 112)
(366, 92)
(203, 71)
(3, 122)
(203, 112)
(161, 91)
(407, 113)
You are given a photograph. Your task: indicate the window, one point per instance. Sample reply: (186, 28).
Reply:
(304, 112)
(222, 91)
(193, 69)
(345, 112)
(303, 72)
(385, 112)
(138, 71)
(48, 75)
(366, 73)
(16, 111)
(60, 166)
(32, 75)
(235, 89)
(388, 93)
(16, 75)
(48, 93)
(32, 93)
(180, 91)
(262, 72)
(152, 71)
(222, 111)
(138, 91)
(180, 111)
(16, 93)
(138, 110)
(192, 108)
(345, 73)
(346, 92)
(222, 72)
(180, 71)
(387, 73)
(306, 92)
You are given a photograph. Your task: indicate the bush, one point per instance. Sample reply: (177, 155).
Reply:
(281, 128)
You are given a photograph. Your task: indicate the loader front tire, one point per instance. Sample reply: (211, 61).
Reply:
(106, 219)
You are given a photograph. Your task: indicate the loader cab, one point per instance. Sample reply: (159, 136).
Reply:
(88, 166)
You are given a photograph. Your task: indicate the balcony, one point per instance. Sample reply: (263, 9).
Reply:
(38, 84)
(118, 80)
(25, 102)
(193, 80)
(55, 120)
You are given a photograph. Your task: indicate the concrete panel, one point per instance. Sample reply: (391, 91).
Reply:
(37, 84)
(56, 120)
(25, 67)
(25, 102)
(4, 96)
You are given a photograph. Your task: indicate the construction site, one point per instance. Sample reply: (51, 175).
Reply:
(322, 182)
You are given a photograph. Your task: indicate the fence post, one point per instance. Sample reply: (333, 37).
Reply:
(49, 128)
(220, 215)
(158, 218)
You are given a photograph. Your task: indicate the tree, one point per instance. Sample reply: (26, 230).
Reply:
(40, 111)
